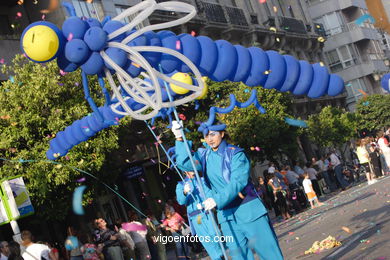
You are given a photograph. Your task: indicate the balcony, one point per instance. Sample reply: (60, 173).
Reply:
(236, 16)
(363, 68)
(292, 25)
(344, 4)
(350, 33)
(214, 13)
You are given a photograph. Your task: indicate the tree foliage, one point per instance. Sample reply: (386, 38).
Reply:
(374, 112)
(332, 127)
(247, 127)
(36, 103)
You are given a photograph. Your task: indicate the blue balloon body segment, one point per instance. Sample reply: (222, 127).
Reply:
(244, 64)
(81, 130)
(95, 38)
(191, 49)
(74, 28)
(293, 72)
(260, 64)
(77, 202)
(295, 122)
(227, 61)
(305, 78)
(320, 81)
(336, 85)
(277, 70)
(385, 82)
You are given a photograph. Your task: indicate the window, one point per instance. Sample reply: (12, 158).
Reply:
(340, 58)
(90, 10)
(332, 23)
(353, 88)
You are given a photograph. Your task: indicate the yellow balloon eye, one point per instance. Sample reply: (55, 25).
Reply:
(40, 43)
(181, 77)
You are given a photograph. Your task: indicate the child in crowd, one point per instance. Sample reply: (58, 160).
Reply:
(89, 250)
(311, 195)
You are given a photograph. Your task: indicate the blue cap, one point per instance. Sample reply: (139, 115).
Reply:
(206, 127)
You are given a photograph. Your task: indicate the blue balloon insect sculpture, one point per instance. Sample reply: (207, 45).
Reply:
(386, 82)
(113, 49)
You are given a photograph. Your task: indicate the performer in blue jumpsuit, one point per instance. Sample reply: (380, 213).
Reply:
(188, 194)
(240, 212)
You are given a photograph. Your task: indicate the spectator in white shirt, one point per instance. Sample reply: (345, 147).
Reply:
(313, 178)
(4, 250)
(32, 250)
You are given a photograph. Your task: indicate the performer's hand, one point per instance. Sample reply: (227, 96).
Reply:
(209, 204)
(199, 206)
(187, 188)
(176, 129)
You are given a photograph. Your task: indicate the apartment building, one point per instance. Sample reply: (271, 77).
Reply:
(354, 51)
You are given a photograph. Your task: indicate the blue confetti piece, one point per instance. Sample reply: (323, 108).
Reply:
(363, 18)
(246, 90)
(11, 78)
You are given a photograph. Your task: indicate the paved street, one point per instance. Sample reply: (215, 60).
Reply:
(363, 210)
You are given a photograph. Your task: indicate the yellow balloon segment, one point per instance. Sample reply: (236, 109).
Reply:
(205, 89)
(40, 43)
(181, 77)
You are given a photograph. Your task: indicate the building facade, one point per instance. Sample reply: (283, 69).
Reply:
(354, 51)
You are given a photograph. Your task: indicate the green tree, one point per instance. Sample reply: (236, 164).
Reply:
(374, 112)
(332, 127)
(36, 103)
(247, 127)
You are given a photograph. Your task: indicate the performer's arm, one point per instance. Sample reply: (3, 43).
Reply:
(180, 196)
(182, 158)
(240, 172)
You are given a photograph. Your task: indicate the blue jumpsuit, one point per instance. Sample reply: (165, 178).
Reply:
(204, 228)
(226, 172)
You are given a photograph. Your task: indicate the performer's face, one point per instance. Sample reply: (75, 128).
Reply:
(214, 139)
(190, 174)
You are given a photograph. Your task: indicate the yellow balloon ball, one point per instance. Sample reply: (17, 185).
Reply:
(205, 89)
(40, 43)
(181, 77)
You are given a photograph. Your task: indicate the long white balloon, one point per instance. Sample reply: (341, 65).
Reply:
(143, 92)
